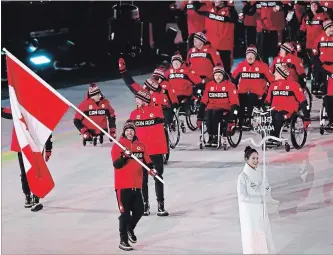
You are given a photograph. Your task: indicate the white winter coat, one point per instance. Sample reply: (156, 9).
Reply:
(254, 221)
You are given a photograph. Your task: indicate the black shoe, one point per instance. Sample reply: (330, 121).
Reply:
(132, 236)
(209, 142)
(214, 140)
(36, 205)
(161, 211)
(28, 201)
(125, 246)
(146, 209)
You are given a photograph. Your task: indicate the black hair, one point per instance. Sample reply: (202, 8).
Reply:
(248, 151)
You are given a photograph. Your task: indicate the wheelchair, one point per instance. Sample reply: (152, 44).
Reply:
(96, 138)
(233, 136)
(294, 127)
(189, 107)
(324, 121)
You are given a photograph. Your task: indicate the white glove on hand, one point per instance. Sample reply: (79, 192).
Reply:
(290, 16)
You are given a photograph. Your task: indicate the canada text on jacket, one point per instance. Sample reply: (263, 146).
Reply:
(281, 93)
(199, 55)
(176, 75)
(143, 123)
(139, 155)
(217, 94)
(326, 44)
(216, 17)
(268, 4)
(96, 112)
(250, 75)
(314, 22)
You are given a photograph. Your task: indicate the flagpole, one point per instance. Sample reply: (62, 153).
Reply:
(28, 70)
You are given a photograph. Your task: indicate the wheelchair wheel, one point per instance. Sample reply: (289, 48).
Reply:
(308, 97)
(203, 135)
(191, 115)
(235, 136)
(324, 121)
(298, 133)
(174, 132)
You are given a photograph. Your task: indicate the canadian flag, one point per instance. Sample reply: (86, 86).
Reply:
(36, 111)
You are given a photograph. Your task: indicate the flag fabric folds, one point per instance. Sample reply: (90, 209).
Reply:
(36, 111)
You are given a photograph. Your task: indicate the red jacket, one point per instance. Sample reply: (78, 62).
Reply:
(203, 61)
(169, 93)
(220, 95)
(182, 80)
(294, 64)
(149, 122)
(249, 20)
(102, 114)
(253, 78)
(220, 26)
(6, 113)
(285, 95)
(323, 46)
(128, 172)
(195, 22)
(271, 20)
(313, 28)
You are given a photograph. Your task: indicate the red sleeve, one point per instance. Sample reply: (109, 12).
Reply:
(166, 74)
(299, 94)
(82, 107)
(233, 94)
(315, 50)
(237, 70)
(111, 110)
(146, 157)
(205, 98)
(136, 87)
(216, 58)
(269, 94)
(159, 112)
(194, 77)
(268, 73)
(115, 152)
(303, 24)
(171, 93)
(299, 66)
(132, 115)
(272, 67)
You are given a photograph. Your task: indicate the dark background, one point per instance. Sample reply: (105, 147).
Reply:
(88, 24)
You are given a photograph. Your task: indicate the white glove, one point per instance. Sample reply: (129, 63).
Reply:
(277, 8)
(290, 16)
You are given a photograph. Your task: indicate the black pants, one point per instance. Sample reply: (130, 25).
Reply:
(24, 181)
(250, 35)
(278, 121)
(248, 100)
(159, 187)
(214, 117)
(226, 59)
(267, 42)
(129, 201)
(328, 103)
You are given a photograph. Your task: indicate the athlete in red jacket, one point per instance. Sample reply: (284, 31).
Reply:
(203, 57)
(287, 98)
(182, 79)
(149, 122)
(251, 76)
(128, 182)
(323, 60)
(288, 58)
(98, 108)
(31, 200)
(272, 21)
(220, 20)
(220, 99)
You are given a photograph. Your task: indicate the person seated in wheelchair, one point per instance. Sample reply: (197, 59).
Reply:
(287, 57)
(286, 98)
(99, 110)
(221, 101)
(182, 79)
(251, 76)
(323, 59)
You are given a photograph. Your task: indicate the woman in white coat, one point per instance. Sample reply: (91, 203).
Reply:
(255, 227)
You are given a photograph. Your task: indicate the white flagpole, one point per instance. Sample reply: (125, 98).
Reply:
(28, 70)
